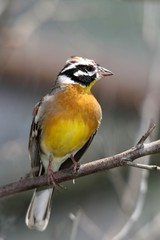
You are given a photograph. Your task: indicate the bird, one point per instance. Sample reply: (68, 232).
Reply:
(64, 124)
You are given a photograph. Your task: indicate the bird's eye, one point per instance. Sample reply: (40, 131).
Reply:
(90, 68)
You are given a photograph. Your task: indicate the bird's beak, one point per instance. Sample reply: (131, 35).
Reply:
(104, 72)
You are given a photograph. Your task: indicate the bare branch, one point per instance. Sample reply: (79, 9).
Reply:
(85, 169)
(142, 166)
(146, 135)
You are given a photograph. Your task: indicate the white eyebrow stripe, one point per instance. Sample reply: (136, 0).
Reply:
(69, 67)
(80, 73)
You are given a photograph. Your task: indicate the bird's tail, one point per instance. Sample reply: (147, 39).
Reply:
(39, 210)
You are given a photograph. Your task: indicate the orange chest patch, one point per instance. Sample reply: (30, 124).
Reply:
(69, 121)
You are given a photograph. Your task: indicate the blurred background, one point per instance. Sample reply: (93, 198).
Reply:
(36, 38)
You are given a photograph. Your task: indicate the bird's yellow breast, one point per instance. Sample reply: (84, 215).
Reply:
(70, 119)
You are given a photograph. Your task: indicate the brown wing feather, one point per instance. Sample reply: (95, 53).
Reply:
(33, 146)
(35, 135)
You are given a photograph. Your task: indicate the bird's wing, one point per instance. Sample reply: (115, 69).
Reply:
(79, 154)
(34, 142)
(35, 134)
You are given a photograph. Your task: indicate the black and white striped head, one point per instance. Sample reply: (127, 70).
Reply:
(81, 71)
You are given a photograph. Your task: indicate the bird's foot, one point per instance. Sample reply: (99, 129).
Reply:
(52, 179)
(50, 176)
(76, 165)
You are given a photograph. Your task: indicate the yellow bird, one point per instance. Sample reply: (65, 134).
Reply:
(64, 124)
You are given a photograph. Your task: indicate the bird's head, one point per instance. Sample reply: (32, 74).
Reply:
(82, 71)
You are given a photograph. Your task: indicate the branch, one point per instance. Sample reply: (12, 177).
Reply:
(146, 135)
(117, 160)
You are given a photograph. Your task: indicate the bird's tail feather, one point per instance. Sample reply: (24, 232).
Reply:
(39, 210)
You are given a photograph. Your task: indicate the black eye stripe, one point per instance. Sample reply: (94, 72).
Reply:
(81, 68)
(79, 73)
(90, 68)
(85, 68)
(68, 72)
(76, 68)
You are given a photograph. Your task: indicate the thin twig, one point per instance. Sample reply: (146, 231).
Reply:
(142, 166)
(146, 135)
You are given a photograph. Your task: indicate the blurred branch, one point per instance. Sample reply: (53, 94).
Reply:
(137, 210)
(150, 230)
(149, 110)
(82, 221)
(27, 23)
(117, 160)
